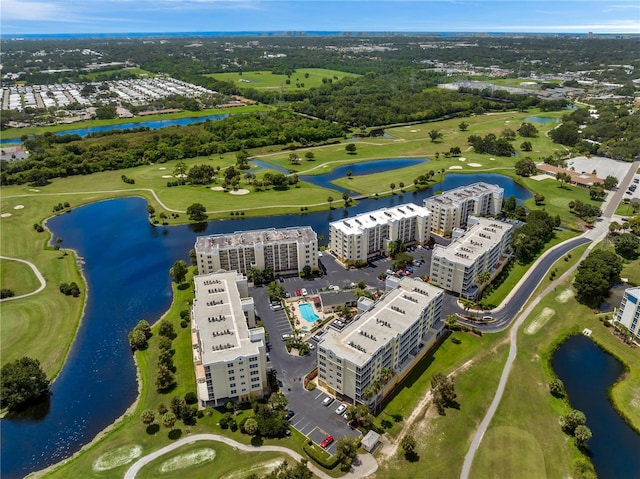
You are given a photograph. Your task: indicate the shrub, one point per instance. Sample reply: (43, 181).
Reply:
(321, 457)
(191, 398)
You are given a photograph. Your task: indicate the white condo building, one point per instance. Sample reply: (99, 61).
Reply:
(484, 247)
(394, 333)
(285, 250)
(366, 235)
(452, 208)
(229, 351)
(630, 311)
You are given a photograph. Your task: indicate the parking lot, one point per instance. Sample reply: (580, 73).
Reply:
(313, 419)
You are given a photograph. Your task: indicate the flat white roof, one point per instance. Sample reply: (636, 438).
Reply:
(454, 197)
(364, 221)
(301, 234)
(219, 319)
(479, 238)
(392, 315)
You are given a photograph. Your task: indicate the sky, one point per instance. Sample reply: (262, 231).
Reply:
(22, 17)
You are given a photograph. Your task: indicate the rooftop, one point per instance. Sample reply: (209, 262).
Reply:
(585, 179)
(484, 235)
(302, 234)
(383, 216)
(453, 197)
(219, 318)
(393, 314)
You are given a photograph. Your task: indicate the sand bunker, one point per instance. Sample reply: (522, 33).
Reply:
(462, 159)
(492, 159)
(414, 131)
(475, 165)
(181, 176)
(455, 167)
(167, 176)
(217, 188)
(162, 168)
(116, 458)
(565, 296)
(540, 320)
(18, 207)
(5, 215)
(34, 190)
(241, 191)
(188, 459)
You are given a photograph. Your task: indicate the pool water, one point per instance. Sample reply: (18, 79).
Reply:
(306, 310)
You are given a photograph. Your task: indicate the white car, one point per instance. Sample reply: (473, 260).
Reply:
(287, 336)
(342, 408)
(304, 291)
(328, 400)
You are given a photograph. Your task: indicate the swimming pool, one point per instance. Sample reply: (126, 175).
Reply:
(306, 310)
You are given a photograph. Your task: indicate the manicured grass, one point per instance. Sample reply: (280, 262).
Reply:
(518, 432)
(226, 463)
(18, 277)
(39, 130)
(443, 441)
(625, 210)
(265, 80)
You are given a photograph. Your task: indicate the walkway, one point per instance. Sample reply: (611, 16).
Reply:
(36, 271)
(364, 464)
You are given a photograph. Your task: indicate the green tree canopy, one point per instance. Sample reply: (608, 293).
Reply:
(21, 382)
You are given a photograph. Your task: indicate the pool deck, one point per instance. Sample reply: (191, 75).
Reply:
(300, 322)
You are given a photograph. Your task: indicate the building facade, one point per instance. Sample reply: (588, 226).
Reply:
(393, 335)
(285, 250)
(483, 248)
(452, 209)
(629, 311)
(229, 351)
(355, 240)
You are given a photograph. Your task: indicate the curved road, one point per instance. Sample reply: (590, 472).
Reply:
(36, 271)
(366, 465)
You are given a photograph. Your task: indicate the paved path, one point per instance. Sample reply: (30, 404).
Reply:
(36, 271)
(364, 464)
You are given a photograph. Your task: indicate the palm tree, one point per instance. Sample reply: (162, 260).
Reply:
(386, 374)
(330, 200)
(401, 185)
(392, 186)
(345, 197)
(349, 173)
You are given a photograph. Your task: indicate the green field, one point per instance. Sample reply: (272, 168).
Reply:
(18, 277)
(301, 79)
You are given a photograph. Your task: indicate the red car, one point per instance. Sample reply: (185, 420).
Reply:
(327, 441)
(298, 293)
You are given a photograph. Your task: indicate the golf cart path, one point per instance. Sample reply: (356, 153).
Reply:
(36, 271)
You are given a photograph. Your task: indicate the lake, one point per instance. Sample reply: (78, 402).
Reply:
(126, 266)
(587, 373)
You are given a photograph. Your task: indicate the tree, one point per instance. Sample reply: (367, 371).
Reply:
(563, 178)
(349, 174)
(527, 130)
(392, 186)
(21, 382)
(597, 193)
(306, 271)
(435, 135)
(538, 198)
(346, 198)
(463, 126)
(179, 271)
(526, 146)
(483, 278)
(610, 182)
(572, 420)
(443, 392)
(294, 158)
(626, 245)
(508, 134)
(401, 185)
(169, 420)
(137, 339)
(145, 327)
(180, 170)
(351, 148)
(251, 426)
(525, 167)
(330, 200)
(408, 445)
(556, 388)
(165, 379)
(166, 329)
(582, 434)
(197, 212)
(347, 450)
(310, 156)
(148, 417)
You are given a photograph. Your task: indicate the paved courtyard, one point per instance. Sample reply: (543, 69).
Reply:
(603, 166)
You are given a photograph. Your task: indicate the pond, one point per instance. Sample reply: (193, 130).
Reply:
(126, 266)
(587, 373)
(541, 119)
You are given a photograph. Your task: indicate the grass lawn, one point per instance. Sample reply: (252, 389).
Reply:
(301, 79)
(443, 440)
(218, 461)
(18, 277)
(527, 441)
(625, 210)
(39, 130)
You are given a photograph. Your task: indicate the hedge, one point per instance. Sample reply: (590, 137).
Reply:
(321, 457)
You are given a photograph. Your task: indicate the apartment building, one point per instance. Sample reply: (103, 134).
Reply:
(629, 311)
(393, 335)
(229, 351)
(285, 250)
(483, 247)
(452, 209)
(354, 240)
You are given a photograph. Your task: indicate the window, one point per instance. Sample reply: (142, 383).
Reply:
(233, 391)
(232, 385)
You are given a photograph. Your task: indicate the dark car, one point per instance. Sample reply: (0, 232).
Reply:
(289, 414)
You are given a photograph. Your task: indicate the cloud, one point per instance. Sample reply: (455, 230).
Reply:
(27, 10)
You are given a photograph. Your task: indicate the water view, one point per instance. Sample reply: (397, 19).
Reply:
(588, 372)
(127, 264)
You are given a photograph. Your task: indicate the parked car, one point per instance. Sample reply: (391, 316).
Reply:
(289, 414)
(303, 291)
(342, 408)
(287, 336)
(327, 441)
(287, 294)
(326, 401)
(311, 346)
(298, 292)
(276, 307)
